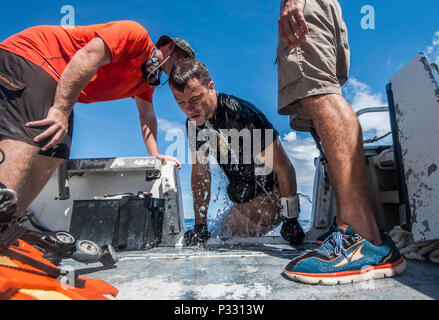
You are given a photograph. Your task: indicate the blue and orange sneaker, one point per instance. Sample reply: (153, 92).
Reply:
(347, 257)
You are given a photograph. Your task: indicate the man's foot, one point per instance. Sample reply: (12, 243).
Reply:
(347, 257)
(292, 231)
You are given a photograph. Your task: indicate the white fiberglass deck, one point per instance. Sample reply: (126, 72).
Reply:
(246, 271)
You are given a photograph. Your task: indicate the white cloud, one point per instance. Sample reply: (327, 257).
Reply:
(165, 125)
(301, 152)
(433, 50)
(360, 96)
(81, 112)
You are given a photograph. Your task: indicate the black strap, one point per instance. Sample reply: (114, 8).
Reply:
(121, 238)
(43, 268)
(49, 270)
(3, 156)
(29, 217)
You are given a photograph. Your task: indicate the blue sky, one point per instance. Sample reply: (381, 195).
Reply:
(237, 41)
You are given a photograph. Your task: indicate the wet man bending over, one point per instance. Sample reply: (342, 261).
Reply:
(262, 180)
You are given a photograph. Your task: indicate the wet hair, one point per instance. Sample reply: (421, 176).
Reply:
(186, 69)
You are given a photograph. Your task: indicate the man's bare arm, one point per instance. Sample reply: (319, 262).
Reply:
(200, 182)
(80, 70)
(77, 74)
(148, 124)
(276, 158)
(292, 26)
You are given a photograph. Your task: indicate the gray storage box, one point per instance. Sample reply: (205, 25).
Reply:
(128, 223)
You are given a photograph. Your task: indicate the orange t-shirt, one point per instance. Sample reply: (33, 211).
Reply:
(52, 48)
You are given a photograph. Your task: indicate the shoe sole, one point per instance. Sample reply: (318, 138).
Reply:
(346, 277)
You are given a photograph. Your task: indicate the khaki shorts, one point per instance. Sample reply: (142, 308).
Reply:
(319, 66)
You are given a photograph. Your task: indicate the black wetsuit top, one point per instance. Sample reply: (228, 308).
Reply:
(234, 113)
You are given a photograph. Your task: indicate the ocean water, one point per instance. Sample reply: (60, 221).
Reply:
(189, 223)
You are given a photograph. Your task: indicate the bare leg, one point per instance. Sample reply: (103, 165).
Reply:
(41, 170)
(25, 171)
(15, 170)
(253, 218)
(341, 138)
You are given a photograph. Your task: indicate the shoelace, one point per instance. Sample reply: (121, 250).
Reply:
(334, 245)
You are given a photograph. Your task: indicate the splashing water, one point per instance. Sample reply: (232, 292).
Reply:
(216, 221)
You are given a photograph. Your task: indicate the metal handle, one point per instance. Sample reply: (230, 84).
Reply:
(371, 109)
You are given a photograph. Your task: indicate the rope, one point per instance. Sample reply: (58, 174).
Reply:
(307, 197)
(375, 139)
(422, 251)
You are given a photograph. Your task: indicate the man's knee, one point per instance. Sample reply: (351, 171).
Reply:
(17, 160)
(47, 164)
(329, 100)
(329, 107)
(11, 146)
(312, 100)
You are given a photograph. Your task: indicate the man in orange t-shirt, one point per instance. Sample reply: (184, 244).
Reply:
(45, 70)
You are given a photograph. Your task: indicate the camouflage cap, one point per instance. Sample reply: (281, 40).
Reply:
(180, 43)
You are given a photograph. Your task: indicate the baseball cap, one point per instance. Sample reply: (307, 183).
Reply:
(180, 43)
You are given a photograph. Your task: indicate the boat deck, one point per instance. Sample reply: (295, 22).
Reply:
(245, 271)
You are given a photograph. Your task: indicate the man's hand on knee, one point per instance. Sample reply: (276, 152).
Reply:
(57, 121)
